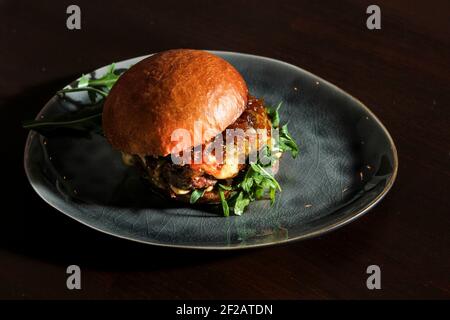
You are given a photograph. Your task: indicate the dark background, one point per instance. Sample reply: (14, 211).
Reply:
(401, 72)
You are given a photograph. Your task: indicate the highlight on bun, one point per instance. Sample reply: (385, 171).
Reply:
(172, 90)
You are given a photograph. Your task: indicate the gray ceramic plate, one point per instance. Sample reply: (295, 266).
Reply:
(347, 164)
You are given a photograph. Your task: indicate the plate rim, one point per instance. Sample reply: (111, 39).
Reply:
(321, 231)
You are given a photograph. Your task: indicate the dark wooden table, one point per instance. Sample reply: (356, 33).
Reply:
(402, 72)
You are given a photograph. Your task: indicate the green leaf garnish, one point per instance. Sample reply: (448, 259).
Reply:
(272, 196)
(85, 119)
(101, 85)
(84, 81)
(241, 202)
(108, 80)
(225, 207)
(86, 88)
(257, 182)
(196, 194)
(88, 118)
(224, 187)
(287, 143)
(274, 115)
(269, 179)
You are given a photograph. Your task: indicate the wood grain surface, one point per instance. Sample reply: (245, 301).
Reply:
(402, 72)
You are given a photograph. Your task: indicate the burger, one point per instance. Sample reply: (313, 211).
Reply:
(204, 97)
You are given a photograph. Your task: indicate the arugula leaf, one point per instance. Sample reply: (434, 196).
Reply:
(241, 203)
(272, 196)
(85, 119)
(84, 81)
(85, 88)
(108, 80)
(100, 86)
(225, 207)
(247, 183)
(270, 180)
(224, 187)
(287, 143)
(196, 194)
(257, 182)
(89, 117)
(274, 115)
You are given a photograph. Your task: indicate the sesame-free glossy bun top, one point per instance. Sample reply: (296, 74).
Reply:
(172, 90)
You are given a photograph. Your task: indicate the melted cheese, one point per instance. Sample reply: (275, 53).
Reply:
(179, 191)
(228, 170)
(220, 171)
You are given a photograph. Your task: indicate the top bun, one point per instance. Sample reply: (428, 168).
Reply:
(172, 90)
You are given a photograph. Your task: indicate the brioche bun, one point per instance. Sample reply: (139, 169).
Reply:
(172, 90)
